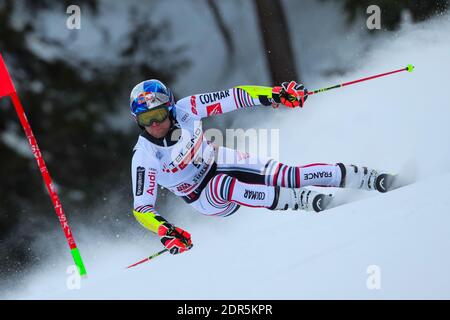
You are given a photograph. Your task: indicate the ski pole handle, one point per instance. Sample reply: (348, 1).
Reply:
(148, 258)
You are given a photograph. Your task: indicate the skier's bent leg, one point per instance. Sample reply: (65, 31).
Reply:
(223, 192)
(326, 175)
(223, 189)
(252, 169)
(318, 174)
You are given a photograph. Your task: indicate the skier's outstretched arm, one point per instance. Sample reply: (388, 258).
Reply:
(290, 94)
(144, 178)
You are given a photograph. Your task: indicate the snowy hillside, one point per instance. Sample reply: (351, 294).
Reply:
(398, 123)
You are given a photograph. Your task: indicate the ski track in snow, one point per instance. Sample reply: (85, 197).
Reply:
(398, 123)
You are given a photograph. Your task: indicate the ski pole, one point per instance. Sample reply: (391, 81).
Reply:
(409, 68)
(148, 258)
(257, 91)
(7, 89)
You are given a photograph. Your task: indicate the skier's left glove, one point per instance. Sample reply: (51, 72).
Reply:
(175, 239)
(291, 94)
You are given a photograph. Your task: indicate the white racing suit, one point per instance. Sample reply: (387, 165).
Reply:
(214, 180)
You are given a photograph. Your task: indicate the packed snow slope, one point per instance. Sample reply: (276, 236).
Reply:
(399, 123)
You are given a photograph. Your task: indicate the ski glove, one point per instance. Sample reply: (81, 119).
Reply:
(176, 240)
(291, 94)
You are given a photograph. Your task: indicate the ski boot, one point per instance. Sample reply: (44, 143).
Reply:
(356, 177)
(385, 182)
(300, 199)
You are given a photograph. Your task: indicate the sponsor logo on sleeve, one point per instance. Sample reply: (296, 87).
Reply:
(184, 118)
(214, 109)
(140, 174)
(152, 184)
(194, 105)
(212, 97)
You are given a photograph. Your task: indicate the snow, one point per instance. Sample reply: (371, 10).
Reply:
(260, 255)
(398, 123)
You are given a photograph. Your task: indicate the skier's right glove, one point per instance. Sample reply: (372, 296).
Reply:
(176, 240)
(291, 94)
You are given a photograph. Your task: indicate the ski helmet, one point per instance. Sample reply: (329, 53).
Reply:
(150, 94)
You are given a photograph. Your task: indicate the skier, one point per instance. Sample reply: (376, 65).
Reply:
(172, 152)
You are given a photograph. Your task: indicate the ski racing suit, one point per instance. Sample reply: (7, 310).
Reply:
(214, 180)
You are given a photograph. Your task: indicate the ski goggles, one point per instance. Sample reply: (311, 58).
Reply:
(157, 115)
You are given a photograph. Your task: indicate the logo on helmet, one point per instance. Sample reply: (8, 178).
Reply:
(146, 97)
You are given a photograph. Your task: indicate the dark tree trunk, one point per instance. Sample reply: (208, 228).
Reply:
(277, 42)
(220, 22)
